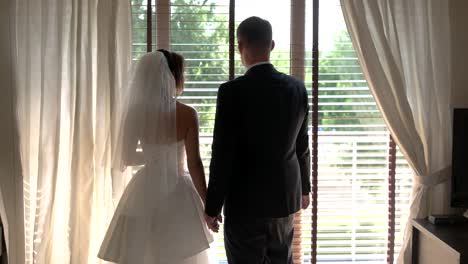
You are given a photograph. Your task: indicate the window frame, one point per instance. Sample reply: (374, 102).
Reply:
(297, 64)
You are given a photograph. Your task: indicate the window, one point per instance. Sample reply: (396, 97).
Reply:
(280, 56)
(353, 156)
(200, 32)
(355, 219)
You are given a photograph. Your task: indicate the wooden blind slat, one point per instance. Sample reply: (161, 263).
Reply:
(297, 70)
(149, 26)
(163, 28)
(315, 125)
(391, 200)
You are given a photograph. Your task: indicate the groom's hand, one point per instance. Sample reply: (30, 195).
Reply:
(213, 222)
(305, 201)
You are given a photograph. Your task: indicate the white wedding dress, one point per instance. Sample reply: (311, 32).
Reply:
(159, 218)
(178, 233)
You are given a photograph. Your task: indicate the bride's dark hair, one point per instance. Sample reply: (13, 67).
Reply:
(176, 65)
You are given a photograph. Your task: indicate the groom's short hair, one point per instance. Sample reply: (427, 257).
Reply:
(256, 33)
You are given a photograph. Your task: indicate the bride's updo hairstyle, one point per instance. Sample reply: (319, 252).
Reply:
(176, 65)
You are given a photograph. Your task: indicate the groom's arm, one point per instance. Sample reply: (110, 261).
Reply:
(303, 152)
(221, 166)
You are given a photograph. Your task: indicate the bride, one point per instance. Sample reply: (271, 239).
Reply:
(159, 218)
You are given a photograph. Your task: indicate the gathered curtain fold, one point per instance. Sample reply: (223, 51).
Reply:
(71, 58)
(404, 50)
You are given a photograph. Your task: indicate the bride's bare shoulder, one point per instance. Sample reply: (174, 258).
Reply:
(186, 112)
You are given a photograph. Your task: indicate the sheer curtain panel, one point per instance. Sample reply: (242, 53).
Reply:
(404, 50)
(10, 181)
(71, 58)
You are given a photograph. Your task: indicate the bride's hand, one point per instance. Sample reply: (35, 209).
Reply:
(213, 222)
(305, 201)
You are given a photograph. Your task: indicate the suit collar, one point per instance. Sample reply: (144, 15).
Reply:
(260, 68)
(257, 64)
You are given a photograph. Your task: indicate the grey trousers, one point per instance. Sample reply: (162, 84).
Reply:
(259, 240)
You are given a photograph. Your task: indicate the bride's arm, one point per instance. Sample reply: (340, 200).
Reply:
(194, 162)
(132, 156)
(135, 159)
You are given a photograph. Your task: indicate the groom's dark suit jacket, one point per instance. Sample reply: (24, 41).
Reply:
(260, 162)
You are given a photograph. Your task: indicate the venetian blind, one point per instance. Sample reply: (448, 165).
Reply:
(353, 156)
(199, 30)
(353, 162)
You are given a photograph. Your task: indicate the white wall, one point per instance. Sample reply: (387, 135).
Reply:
(459, 23)
(459, 15)
(10, 179)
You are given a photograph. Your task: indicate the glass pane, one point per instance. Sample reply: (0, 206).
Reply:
(140, 20)
(200, 32)
(353, 155)
(353, 139)
(278, 15)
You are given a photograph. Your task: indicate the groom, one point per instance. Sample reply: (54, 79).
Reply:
(260, 159)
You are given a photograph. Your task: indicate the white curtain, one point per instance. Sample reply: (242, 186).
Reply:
(71, 58)
(404, 50)
(10, 182)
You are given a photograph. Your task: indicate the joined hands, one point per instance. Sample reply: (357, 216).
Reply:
(213, 222)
